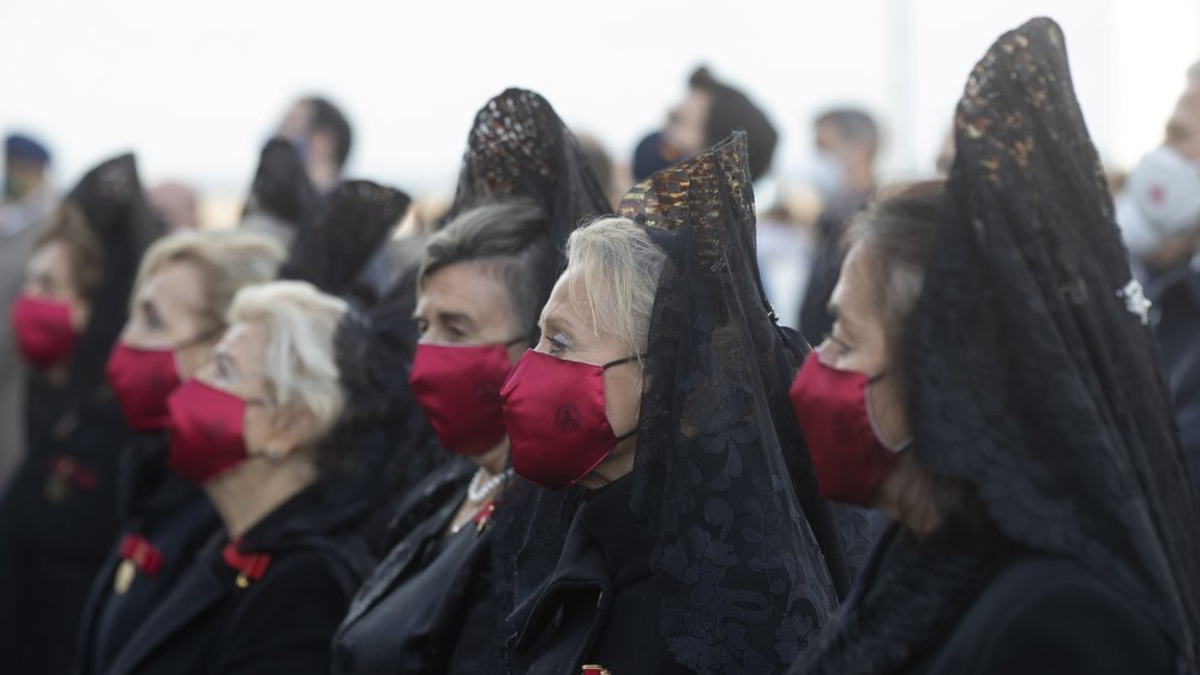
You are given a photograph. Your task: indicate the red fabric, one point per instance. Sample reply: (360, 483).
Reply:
(143, 554)
(557, 423)
(459, 390)
(206, 431)
(848, 458)
(43, 330)
(79, 476)
(142, 379)
(249, 565)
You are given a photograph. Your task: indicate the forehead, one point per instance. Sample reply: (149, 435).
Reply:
(470, 288)
(245, 342)
(53, 256)
(176, 283)
(855, 293)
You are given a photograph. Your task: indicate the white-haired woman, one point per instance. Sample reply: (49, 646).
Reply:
(266, 594)
(185, 285)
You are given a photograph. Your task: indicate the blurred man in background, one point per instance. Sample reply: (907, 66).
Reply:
(710, 112)
(1159, 214)
(847, 142)
(175, 204)
(28, 197)
(322, 137)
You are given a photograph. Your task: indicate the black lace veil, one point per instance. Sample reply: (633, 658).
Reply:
(349, 229)
(114, 205)
(519, 147)
(743, 574)
(282, 201)
(1033, 374)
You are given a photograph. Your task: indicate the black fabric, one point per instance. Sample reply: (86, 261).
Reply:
(54, 539)
(280, 623)
(742, 566)
(519, 147)
(281, 191)
(600, 606)
(989, 609)
(381, 445)
(1176, 321)
(1033, 379)
(429, 605)
(170, 513)
(117, 213)
(353, 224)
(815, 319)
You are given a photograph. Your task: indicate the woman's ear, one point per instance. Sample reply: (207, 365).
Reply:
(291, 428)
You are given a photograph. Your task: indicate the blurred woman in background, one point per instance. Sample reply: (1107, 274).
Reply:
(177, 314)
(266, 593)
(59, 516)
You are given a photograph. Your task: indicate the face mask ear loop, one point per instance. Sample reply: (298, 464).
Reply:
(618, 362)
(899, 447)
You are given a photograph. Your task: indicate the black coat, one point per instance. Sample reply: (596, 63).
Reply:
(57, 522)
(601, 606)
(1039, 614)
(431, 605)
(1176, 313)
(212, 622)
(176, 519)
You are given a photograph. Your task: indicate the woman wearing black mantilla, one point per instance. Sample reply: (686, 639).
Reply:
(991, 383)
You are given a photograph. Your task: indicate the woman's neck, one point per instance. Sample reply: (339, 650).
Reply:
(250, 492)
(494, 461)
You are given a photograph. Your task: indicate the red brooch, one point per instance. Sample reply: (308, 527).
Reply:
(484, 516)
(137, 555)
(65, 473)
(249, 566)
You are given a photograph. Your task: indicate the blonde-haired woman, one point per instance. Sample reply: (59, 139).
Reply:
(266, 593)
(184, 287)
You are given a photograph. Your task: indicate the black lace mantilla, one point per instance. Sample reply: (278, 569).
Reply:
(742, 563)
(1032, 375)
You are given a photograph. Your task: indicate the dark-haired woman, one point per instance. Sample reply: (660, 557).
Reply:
(991, 384)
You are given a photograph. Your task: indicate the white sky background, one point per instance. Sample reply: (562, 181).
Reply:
(195, 88)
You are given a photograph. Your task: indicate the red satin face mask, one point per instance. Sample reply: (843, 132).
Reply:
(43, 329)
(142, 379)
(206, 431)
(458, 387)
(849, 459)
(556, 420)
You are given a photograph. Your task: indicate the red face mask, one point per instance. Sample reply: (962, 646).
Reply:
(459, 390)
(849, 459)
(43, 329)
(142, 379)
(557, 424)
(206, 431)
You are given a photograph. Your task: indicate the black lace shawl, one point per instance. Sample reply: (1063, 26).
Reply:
(744, 576)
(281, 190)
(1033, 375)
(114, 205)
(519, 147)
(350, 228)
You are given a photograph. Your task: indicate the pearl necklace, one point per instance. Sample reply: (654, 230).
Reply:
(478, 491)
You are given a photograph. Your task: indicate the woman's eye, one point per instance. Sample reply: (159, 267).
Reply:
(422, 326)
(557, 344)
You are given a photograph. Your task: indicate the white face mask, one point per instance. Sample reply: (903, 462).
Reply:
(1160, 202)
(826, 175)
